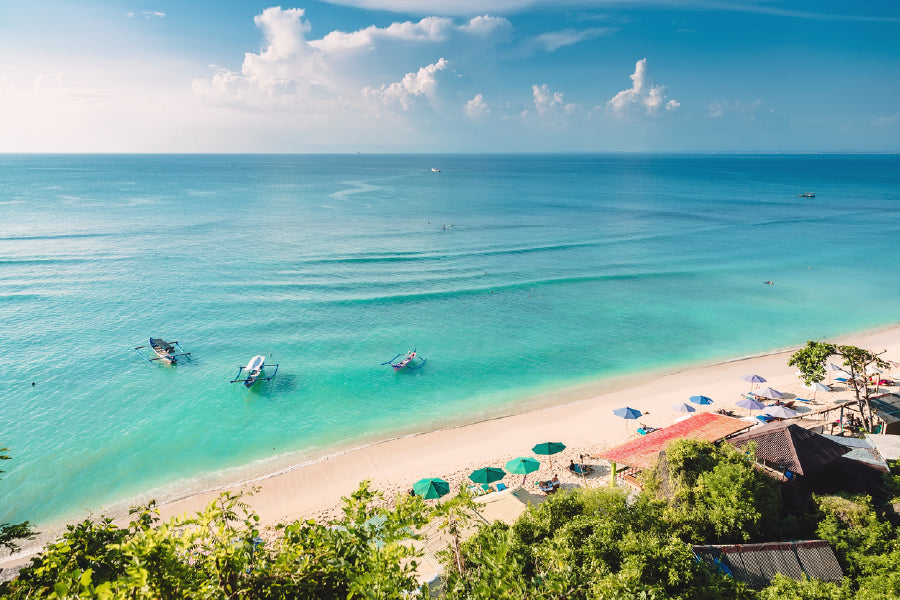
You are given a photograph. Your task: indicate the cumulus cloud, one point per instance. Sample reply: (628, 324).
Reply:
(292, 70)
(476, 108)
(413, 86)
(643, 96)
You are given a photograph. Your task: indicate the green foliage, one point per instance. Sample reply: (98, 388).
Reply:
(10, 532)
(714, 494)
(585, 544)
(218, 554)
(855, 530)
(811, 361)
(783, 588)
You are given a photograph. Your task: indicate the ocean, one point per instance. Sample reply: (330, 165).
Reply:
(514, 275)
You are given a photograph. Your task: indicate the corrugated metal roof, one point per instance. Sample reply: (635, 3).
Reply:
(887, 407)
(757, 564)
(642, 452)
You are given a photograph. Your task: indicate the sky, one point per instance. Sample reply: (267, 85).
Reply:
(458, 76)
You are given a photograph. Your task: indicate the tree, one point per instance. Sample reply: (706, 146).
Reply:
(811, 361)
(219, 553)
(10, 532)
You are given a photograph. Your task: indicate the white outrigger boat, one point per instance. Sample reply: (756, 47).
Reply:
(165, 351)
(253, 371)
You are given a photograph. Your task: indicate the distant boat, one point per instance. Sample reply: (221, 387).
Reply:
(435, 170)
(408, 360)
(807, 195)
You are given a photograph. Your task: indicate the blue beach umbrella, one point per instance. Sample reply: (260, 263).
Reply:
(684, 407)
(753, 379)
(627, 413)
(750, 403)
(701, 400)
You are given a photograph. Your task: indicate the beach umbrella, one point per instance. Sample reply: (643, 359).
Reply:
(817, 386)
(487, 475)
(750, 403)
(548, 449)
(523, 466)
(753, 379)
(781, 411)
(627, 413)
(431, 488)
(768, 392)
(684, 407)
(701, 400)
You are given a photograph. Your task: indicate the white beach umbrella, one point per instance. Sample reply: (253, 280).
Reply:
(768, 392)
(782, 412)
(817, 386)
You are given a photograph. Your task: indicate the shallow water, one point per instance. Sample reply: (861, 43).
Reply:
(513, 275)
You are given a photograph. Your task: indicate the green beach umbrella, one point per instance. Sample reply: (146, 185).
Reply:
(487, 475)
(431, 488)
(549, 448)
(523, 466)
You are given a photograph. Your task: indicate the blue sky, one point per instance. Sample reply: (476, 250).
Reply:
(449, 76)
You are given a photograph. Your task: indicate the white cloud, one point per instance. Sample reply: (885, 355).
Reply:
(544, 99)
(151, 14)
(429, 29)
(643, 96)
(293, 71)
(413, 86)
(719, 109)
(476, 108)
(555, 40)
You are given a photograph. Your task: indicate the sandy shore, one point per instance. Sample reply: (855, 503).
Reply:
(586, 426)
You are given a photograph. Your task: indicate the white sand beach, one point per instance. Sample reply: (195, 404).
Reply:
(586, 426)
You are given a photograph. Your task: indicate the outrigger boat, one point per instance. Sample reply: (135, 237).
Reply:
(408, 360)
(165, 351)
(253, 371)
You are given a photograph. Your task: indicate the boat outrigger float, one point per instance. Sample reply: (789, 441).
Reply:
(408, 361)
(253, 371)
(165, 351)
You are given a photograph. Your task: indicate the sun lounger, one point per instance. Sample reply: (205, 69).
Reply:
(765, 418)
(501, 487)
(581, 469)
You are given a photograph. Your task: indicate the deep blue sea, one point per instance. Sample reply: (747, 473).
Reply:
(513, 275)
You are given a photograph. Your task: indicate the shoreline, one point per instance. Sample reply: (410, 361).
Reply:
(580, 416)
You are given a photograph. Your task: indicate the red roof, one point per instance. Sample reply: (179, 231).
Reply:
(642, 452)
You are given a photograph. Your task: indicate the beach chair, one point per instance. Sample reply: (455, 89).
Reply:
(501, 487)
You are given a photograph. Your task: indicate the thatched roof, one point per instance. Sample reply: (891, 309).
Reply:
(757, 564)
(791, 447)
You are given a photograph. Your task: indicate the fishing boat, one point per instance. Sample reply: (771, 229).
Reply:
(253, 371)
(410, 361)
(435, 170)
(167, 352)
(806, 195)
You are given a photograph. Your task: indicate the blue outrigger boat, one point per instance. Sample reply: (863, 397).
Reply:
(165, 351)
(408, 361)
(253, 371)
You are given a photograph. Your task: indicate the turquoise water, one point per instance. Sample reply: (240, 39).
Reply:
(513, 275)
